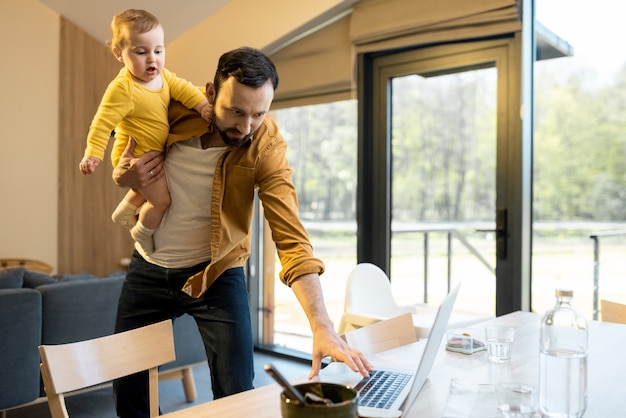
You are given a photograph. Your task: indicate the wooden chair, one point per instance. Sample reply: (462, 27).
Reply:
(69, 367)
(28, 264)
(613, 311)
(382, 336)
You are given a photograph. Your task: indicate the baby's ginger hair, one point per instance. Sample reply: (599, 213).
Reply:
(128, 21)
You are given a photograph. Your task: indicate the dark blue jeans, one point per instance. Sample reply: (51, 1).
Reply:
(151, 294)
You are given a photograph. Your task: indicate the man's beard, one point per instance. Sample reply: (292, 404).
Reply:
(231, 141)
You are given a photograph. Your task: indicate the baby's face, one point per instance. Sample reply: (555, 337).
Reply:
(144, 56)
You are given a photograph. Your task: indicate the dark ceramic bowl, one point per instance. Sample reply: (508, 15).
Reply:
(344, 402)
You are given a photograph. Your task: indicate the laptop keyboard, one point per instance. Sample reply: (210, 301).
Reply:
(381, 389)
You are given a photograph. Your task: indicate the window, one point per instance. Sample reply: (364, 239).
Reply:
(322, 141)
(443, 186)
(580, 156)
(579, 185)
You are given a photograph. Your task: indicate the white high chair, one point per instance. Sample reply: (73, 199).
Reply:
(369, 300)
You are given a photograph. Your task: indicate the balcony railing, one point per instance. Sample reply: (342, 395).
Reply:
(595, 236)
(451, 233)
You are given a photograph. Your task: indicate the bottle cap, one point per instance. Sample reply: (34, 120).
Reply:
(564, 292)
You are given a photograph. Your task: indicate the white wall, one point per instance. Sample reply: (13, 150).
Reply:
(29, 79)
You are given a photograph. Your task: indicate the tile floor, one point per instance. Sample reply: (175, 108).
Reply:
(99, 403)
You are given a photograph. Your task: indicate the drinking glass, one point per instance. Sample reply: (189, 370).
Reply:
(517, 400)
(499, 343)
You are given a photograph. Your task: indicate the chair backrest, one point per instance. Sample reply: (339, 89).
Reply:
(368, 291)
(69, 367)
(613, 311)
(382, 336)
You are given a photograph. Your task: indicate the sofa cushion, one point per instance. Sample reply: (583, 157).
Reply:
(20, 323)
(75, 310)
(32, 279)
(72, 277)
(12, 278)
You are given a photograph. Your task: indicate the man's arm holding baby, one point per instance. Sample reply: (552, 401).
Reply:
(138, 172)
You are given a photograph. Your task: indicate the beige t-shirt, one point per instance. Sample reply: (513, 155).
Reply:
(182, 238)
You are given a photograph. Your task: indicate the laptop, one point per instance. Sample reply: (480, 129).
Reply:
(390, 391)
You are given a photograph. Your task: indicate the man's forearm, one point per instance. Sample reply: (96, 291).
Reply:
(326, 342)
(308, 291)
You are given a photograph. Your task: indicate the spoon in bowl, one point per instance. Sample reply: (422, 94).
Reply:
(292, 393)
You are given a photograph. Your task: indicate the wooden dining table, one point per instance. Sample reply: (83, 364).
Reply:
(606, 375)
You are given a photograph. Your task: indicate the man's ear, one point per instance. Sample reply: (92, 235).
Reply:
(210, 92)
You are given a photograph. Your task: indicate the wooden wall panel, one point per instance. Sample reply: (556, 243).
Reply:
(88, 240)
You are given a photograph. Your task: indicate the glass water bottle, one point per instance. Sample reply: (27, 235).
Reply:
(563, 360)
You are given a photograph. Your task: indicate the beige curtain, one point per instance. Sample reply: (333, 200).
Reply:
(386, 24)
(317, 68)
(320, 67)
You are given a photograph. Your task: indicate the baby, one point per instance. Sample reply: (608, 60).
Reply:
(135, 104)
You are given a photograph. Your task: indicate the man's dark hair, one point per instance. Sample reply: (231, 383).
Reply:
(249, 66)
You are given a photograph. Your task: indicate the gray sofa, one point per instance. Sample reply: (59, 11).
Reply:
(36, 308)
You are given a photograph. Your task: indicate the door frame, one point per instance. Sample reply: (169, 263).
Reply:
(513, 161)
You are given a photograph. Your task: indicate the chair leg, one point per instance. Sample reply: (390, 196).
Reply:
(186, 376)
(3, 414)
(189, 385)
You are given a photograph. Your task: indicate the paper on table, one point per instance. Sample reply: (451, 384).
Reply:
(471, 400)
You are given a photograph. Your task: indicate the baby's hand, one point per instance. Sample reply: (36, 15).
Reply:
(88, 165)
(207, 112)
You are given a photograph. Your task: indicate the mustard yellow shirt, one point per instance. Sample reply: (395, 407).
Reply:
(260, 165)
(135, 110)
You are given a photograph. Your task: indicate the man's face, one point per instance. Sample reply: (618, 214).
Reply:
(239, 110)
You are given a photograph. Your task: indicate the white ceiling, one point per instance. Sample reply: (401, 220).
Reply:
(94, 16)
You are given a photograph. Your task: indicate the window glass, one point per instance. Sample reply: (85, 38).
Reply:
(444, 189)
(322, 151)
(580, 156)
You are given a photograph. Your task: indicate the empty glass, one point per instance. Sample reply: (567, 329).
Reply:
(517, 400)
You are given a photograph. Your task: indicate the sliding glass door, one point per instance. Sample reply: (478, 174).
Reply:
(435, 165)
